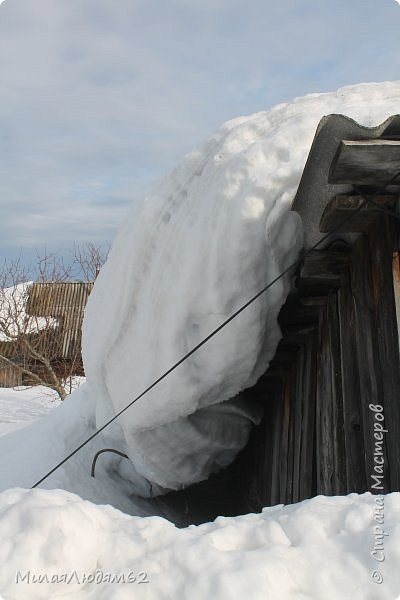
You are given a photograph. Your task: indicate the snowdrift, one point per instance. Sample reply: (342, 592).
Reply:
(55, 545)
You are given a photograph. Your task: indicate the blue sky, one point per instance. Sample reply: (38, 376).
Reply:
(100, 98)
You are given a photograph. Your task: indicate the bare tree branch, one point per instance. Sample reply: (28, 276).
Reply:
(32, 330)
(90, 257)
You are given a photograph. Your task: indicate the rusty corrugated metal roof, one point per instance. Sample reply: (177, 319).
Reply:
(64, 301)
(58, 299)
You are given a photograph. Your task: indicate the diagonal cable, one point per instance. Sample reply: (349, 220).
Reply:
(295, 264)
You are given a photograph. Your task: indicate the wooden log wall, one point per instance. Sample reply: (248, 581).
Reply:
(339, 354)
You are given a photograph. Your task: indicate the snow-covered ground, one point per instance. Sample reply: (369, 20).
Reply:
(210, 236)
(54, 544)
(20, 407)
(320, 549)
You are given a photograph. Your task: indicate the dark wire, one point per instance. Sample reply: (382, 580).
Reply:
(218, 329)
(96, 456)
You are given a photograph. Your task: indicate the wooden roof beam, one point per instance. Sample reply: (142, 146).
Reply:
(338, 213)
(366, 162)
(322, 270)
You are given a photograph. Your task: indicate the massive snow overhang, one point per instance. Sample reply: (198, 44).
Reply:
(208, 238)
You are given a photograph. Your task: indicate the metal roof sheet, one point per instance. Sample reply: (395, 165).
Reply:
(58, 299)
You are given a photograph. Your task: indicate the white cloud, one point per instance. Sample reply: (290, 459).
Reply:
(99, 98)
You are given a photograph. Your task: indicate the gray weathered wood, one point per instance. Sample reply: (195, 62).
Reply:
(330, 454)
(321, 271)
(356, 478)
(368, 369)
(338, 214)
(366, 162)
(382, 242)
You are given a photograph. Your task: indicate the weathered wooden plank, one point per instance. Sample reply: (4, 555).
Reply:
(284, 445)
(302, 389)
(291, 390)
(324, 450)
(368, 364)
(331, 473)
(307, 487)
(396, 286)
(297, 411)
(356, 480)
(339, 476)
(275, 441)
(382, 242)
(340, 213)
(304, 419)
(266, 443)
(366, 162)
(321, 271)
